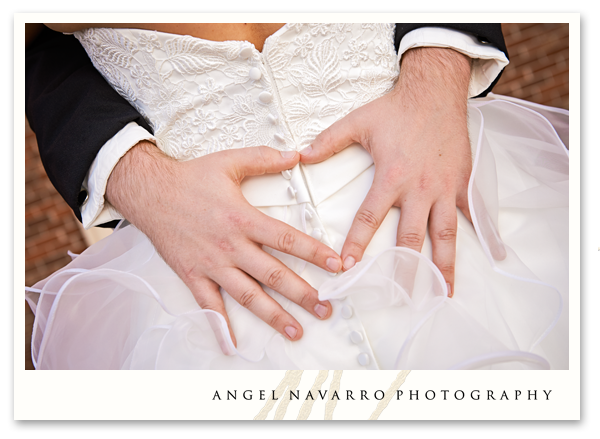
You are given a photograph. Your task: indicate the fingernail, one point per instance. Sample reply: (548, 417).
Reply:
(306, 150)
(449, 289)
(291, 331)
(349, 263)
(288, 154)
(333, 264)
(320, 310)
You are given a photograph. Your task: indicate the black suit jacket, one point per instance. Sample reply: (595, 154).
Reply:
(74, 111)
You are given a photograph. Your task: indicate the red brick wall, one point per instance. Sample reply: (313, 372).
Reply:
(539, 63)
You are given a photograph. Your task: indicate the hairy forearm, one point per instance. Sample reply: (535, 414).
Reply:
(434, 77)
(143, 181)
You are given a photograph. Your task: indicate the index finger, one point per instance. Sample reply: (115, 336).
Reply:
(369, 217)
(286, 239)
(332, 140)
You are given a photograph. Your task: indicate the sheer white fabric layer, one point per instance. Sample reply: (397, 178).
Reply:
(119, 306)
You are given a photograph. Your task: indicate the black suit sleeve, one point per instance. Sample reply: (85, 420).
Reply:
(490, 33)
(72, 110)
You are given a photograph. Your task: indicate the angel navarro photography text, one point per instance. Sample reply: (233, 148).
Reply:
(378, 395)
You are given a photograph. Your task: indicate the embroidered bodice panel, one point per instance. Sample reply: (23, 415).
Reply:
(204, 96)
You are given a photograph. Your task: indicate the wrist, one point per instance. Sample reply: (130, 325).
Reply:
(139, 180)
(433, 77)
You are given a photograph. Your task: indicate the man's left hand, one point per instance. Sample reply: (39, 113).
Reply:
(417, 136)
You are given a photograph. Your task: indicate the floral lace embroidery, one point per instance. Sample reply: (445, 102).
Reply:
(204, 120)
(199, 96)
(304, 45)
(356, 52)
(149, 42)
(211, 92)
(319, 28)
(382, 54)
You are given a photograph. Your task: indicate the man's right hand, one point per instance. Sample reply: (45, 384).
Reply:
(200, 223)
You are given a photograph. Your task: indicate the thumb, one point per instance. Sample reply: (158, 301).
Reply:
(332, 140)
(260, 160)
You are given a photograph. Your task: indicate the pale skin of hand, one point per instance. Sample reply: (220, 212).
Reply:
(417, 135)
(200, 223)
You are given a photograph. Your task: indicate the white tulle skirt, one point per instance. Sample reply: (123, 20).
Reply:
(119, 306)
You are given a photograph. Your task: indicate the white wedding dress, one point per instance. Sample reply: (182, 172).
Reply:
(119, 306)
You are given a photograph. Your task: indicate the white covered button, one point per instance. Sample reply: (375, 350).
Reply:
(356, 337)
(291, 191)
(347, 311)
(255, 73)
(265, 97)
(364, 359)
(287, 174)
(246, 52)
(272, 118)
(279, 137)
(317, 234)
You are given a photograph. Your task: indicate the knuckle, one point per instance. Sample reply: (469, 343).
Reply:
(286, 241)
(225, 246)
(274, 320)
(410, 239)
(315, 252)
(367, 218)
(189, 273)
(306, 300)
(446, 268)
(392, 175)
(356, 247)
(238, 220)
(424, 183)
(447, 234)
(207, 262)
(274, 278)
(248, 298)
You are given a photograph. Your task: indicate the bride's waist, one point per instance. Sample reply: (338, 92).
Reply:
(310, 183)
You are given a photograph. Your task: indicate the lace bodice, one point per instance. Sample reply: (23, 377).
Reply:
(204, 96)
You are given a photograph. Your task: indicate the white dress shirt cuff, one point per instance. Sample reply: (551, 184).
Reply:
(96, 209)
(488, 61)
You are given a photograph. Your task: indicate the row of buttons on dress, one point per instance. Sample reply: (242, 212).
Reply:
(346, 311)
(265, 97)
(287, 174)
(255, 74)
(356, 337)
